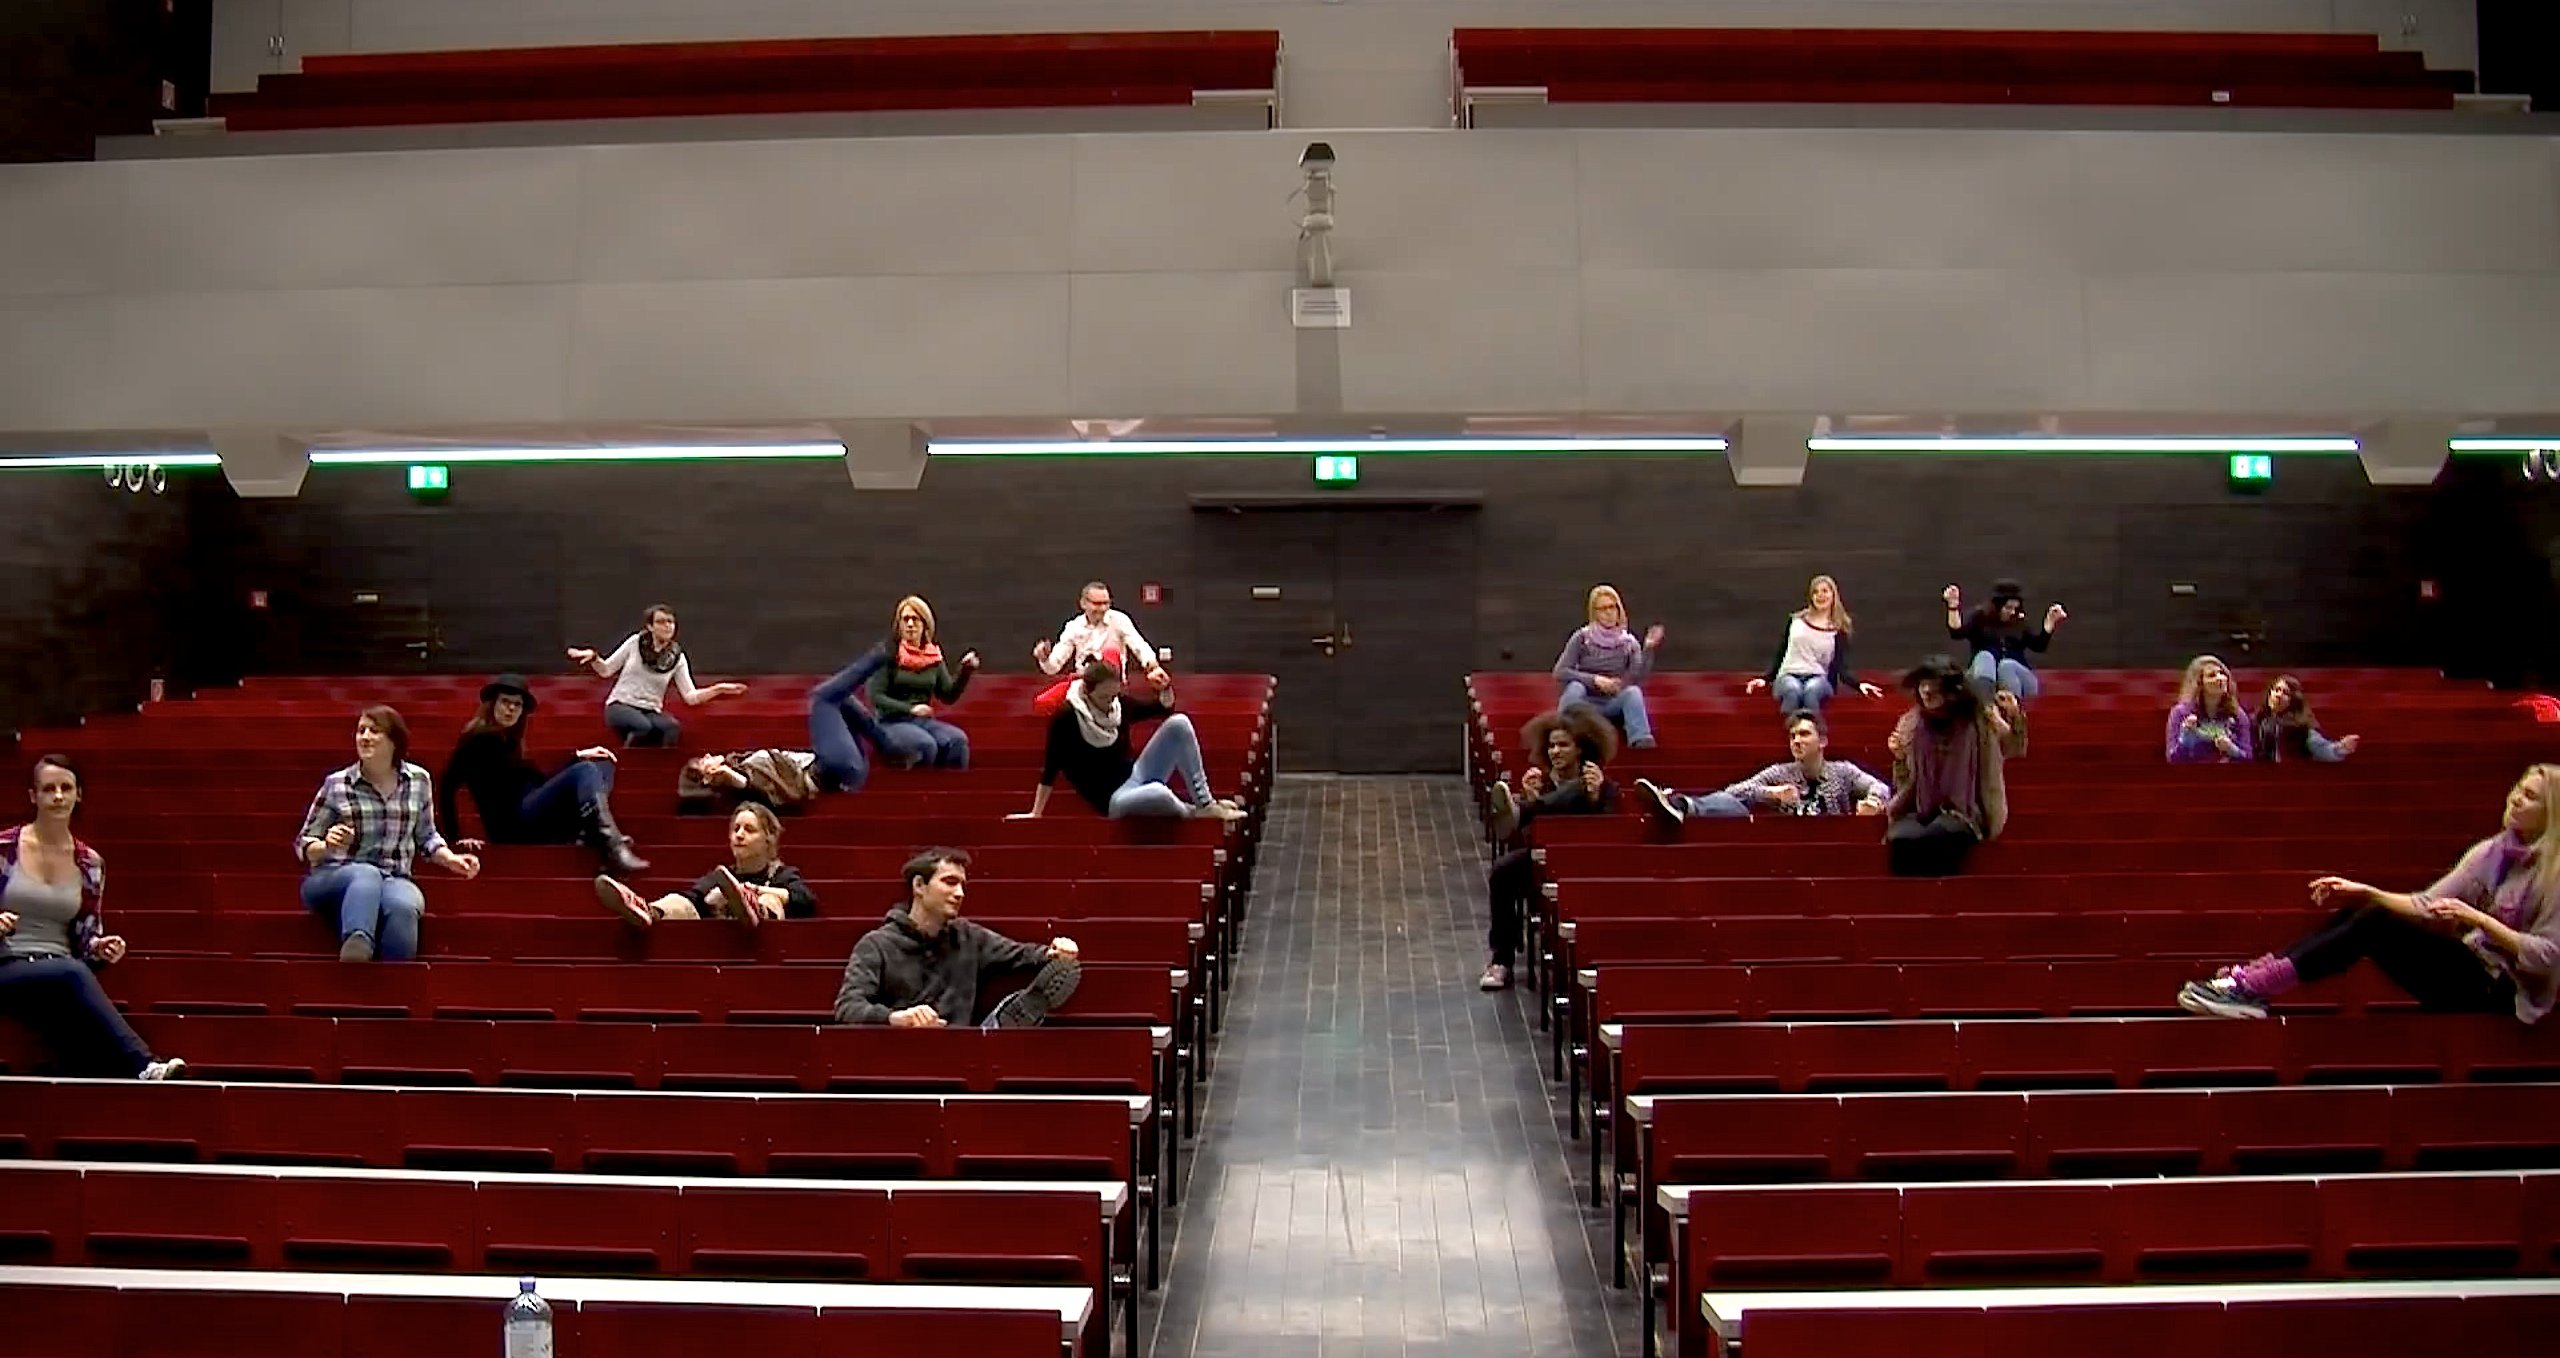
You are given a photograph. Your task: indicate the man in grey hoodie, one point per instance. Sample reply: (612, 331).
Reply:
(922, 966)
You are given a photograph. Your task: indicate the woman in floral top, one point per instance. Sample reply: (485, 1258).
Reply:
(53, 939)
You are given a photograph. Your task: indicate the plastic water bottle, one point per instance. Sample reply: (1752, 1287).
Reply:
(528, 1323)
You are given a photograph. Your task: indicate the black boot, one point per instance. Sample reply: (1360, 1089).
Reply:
(611, 845)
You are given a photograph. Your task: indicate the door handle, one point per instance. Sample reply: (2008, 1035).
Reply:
(1325, 643)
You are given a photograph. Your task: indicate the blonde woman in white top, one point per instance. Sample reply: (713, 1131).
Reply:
(1812, 662)
(643, 668)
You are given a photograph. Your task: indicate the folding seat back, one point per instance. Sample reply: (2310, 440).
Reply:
(576, 1055)
(170, 1323)
(953, 1235)
(286, 1050)
(1898, 939)
(28, 1116)
(694, 1135)
(2422, 1225)
(836, 1235)
(499, 1131)
(143, 1219)
(2303, 1131)
(60, 1322)
(1670, 994)
(2145, 1331)
(578, 1229)
(379, 1326)
(2372, 1050)
(1784, 1138)
(40, 1216)
(1111, 994)
(1773, 939)
(2120, 987)
(1068, 1060)
(1850, 1331)
(1976, 990)
(1829, 991)
(2494, 1048)
(2183, 1053)
(316, 988)
(319, 1125)
(1751, 1239)
(2113, 1134)
(1980, 1235)
(416, 1052)
(2068, 936)
(356, 1223)
(2442, 1127)
(887, 1060)
(1672, 1058)
(852, 1137)
(1910, 1137)
(721, 1057)
(2217, 1230)
(2542, 1223)
(1005, 1138)
(1871, 1057)
(135, 1121)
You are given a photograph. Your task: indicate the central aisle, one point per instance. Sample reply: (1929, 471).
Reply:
(1379, 1170)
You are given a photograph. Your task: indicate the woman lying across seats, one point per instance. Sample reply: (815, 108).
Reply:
(1566, 777)
(1088, 745)
(365, 831)
(519, 803)
(2485, 938)
(1949, 791)
(1604, 664)
(643, 668)
(2208, 725)
(53, 939)
(903, 694)
(787, 780)
(2285, 728)
(1812, 662)
(754, 886)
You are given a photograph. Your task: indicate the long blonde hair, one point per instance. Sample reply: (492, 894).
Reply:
(922, 609)
(2546, 846)
(1591, 604)
(1839, 606)
(2191, 689)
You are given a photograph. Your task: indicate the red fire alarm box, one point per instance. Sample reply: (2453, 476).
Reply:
(1151, 593)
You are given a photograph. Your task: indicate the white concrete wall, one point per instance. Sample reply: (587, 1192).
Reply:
(1836, 271)
(1351, 63)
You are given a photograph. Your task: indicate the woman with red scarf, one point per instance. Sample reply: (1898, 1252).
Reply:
(904, 694)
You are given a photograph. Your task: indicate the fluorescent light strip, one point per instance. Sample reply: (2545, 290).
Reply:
(2505, 445)
(1486, 447)
(1889, 444)
(102, 461)
(761, 452)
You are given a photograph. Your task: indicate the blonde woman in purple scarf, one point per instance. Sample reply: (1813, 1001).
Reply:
(2484, 939)
(1604, 666)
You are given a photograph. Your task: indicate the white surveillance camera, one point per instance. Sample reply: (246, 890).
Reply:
(1317, 158)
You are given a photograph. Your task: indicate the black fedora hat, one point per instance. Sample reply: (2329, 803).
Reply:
(508, 683)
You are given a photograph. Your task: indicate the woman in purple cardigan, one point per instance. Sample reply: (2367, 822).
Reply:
(2484, 939)
(1604, 666)
(2208, 726)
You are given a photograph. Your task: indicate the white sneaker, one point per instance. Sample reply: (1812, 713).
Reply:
(1658, 803)
(2222, 998)
(170, 1069)
(1506, 810)
(1496, 977)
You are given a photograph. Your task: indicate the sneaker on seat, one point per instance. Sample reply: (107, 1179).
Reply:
(2220, 997)
(1029, 1007)
(172, 1068)
(624, 901)
(742, 906)
(357, 948)
(1657, 802)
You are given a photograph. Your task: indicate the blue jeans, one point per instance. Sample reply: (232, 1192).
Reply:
(924, 740)
(59, 999)
(1173, 751)
(641, 729)
(1711, 805)
(836, 719)
(561, 809)
(371, 902)
(1625, 707)
(1994, 675)
(1800, 693)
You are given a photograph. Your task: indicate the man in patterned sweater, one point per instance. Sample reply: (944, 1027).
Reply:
(1806, 785)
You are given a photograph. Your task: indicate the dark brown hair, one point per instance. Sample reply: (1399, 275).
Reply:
(766, 821)
(1591, 732)
(51, 761)
(650, 655)
(921, 868)
(389, 722)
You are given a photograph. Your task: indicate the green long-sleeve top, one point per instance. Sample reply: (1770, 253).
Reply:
(894, 691)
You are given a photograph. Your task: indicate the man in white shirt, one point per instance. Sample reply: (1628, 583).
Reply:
(1099, 631)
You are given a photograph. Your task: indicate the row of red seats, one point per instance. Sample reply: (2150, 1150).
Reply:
(1005, 867)
(1746, 940)
(2232, 811)
(171, 1314)
(2494, 1319)
(2379, 855)
(2060, 686)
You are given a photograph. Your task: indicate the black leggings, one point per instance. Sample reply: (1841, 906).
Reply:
(1934, 848)
(1513, 877)
(2439, 971)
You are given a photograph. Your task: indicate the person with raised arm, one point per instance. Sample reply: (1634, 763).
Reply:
(2484, 939)
(755, 885)
(1949, 789)
(2208, 725)
(644, 668)
(1803, 784)
(922, 967)
(1566, 776)
(519, 803)
(368, 825)
(1604, 666)
(904, 694)
(1088, 746)
(2286, 729)
(54, 940)
(2001, 638)
(1812, 662)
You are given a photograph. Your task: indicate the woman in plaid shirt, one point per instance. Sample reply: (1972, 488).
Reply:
(367, 826)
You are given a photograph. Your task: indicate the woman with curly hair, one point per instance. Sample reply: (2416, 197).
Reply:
(2285, 728)
(1565, 778)
(2208, 725)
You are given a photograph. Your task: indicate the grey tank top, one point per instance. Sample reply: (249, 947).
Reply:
(44, 912)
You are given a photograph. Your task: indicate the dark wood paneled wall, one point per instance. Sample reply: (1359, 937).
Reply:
(787, 568)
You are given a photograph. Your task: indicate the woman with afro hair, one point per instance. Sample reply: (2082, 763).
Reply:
(1565, 777)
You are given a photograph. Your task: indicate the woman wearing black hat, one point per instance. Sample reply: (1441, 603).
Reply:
(2001, 636)
(1949, 790)
(517, 801)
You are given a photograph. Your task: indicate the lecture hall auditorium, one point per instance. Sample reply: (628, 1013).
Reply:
(1316, 519)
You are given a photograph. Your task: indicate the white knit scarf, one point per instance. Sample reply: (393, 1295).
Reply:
(1101, 730)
